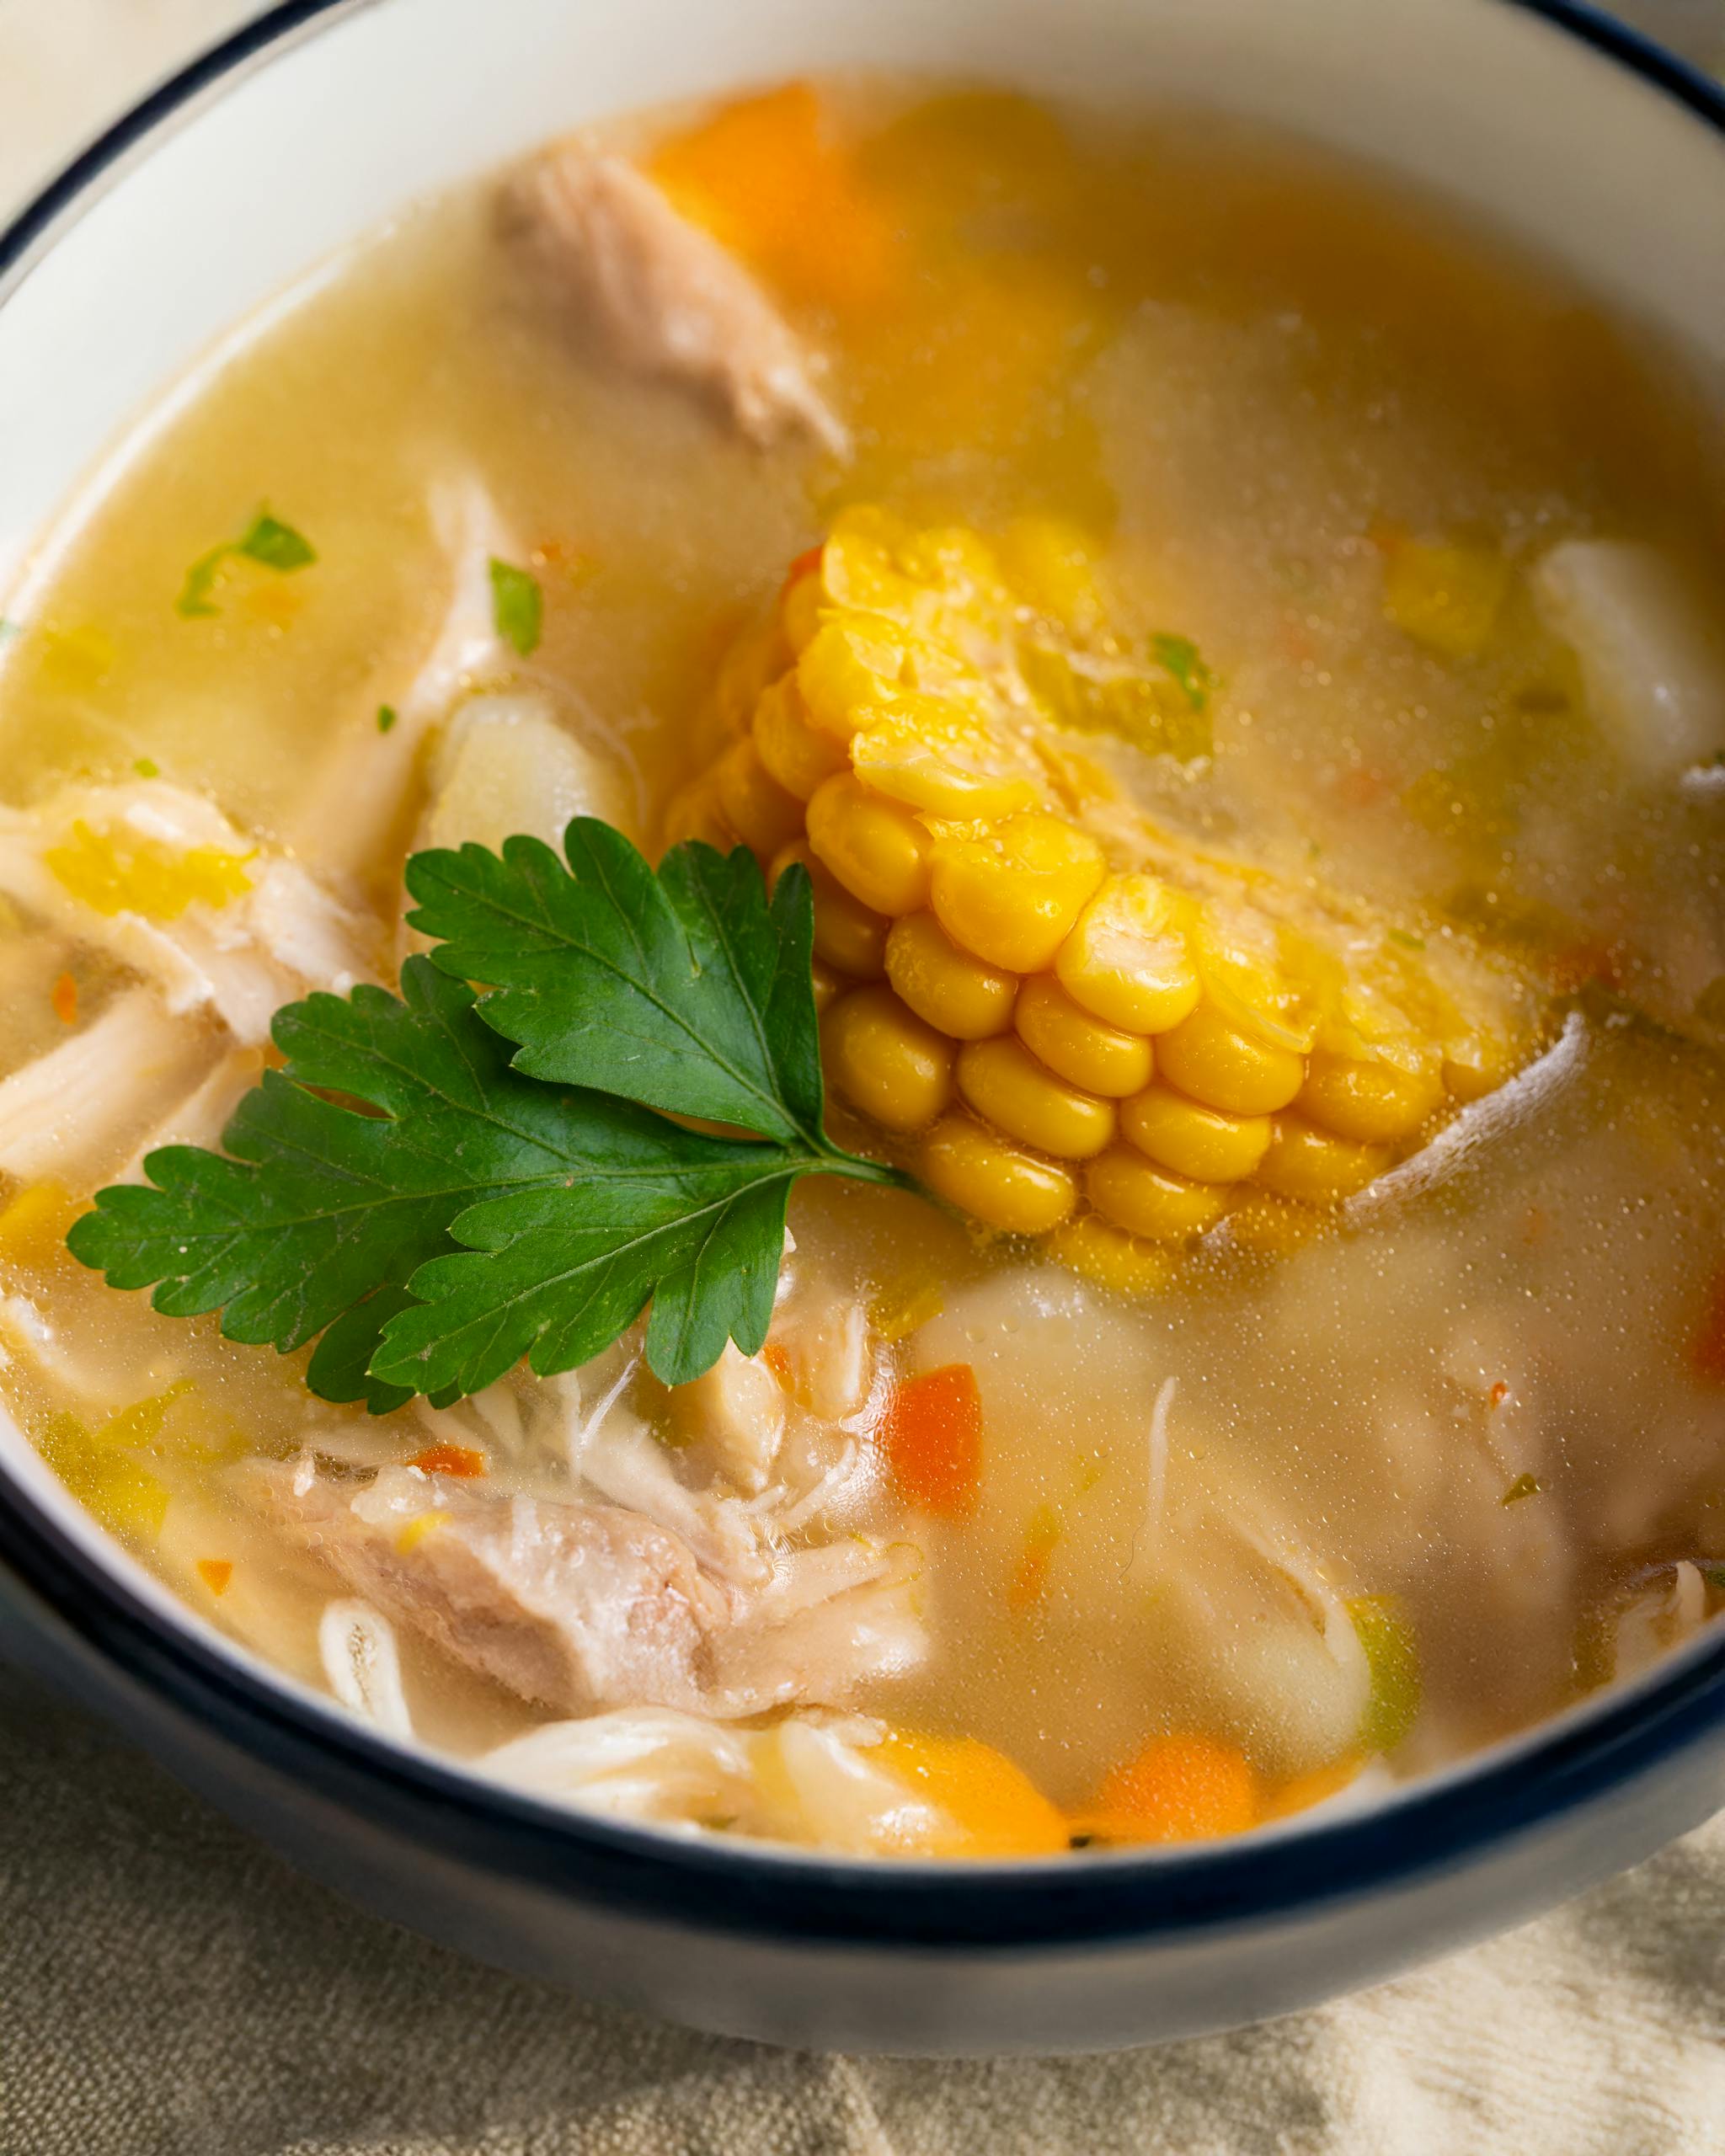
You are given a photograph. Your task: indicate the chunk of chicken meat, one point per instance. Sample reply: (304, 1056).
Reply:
(738, 1409)
(665, 299)
(575, 1605)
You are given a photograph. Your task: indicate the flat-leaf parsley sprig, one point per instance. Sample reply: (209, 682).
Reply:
(437, 1184)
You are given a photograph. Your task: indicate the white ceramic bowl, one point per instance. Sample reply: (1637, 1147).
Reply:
(123, 282)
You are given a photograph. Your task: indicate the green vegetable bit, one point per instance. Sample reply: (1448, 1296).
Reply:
(1523, 1485)
(517, 606)
(147, 768)
(386, 718)
(436, 1185)
(265, 540)
(1180, 656)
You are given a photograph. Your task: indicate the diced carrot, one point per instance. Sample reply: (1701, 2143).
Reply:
(765, 177)
(1176, 1789)
(778, 1358)
(1706, 1351)
(461, 1460)
(996, 1808)
(932, 1434)
(806, 564)
(1042, 1536)
(1499, 1393)
(64, 1000)
(214, 1572)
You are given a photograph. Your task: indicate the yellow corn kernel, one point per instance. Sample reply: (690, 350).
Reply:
(800, 609)
(1272, 1227)
(1001, 1185)
(1368, 1100)
(859, 565)
(1003, 1081)
(877, 850)
(1240, 969)
(418, 1529)
(885, 1061)
(752, 801)
(1052, 565)
(756, 657)
(1078, 1047)
(994, 1808)
(850, 937)
(827, 983)
(1012, 894)
(954, 991)
(1476, 1066)
(1190, 1139)
(694, 814)
(1112, 1258)
(1314, 1166)
(941, 755)
(1127, 959)
(1205, 1057)
(798, 756)
(851, 668)
(1146, 1200)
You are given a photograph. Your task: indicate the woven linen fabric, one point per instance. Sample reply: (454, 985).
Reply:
(168, 1988)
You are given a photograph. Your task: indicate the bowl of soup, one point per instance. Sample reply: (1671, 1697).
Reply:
(860, 1148)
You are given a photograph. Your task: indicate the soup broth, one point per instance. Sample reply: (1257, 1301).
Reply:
(1375, 556)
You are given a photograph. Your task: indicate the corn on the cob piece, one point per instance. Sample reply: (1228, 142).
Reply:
(1199, 1035)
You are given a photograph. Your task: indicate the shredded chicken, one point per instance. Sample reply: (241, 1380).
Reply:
(664, 299)
(738, 1407)
(68, 1113)
(575, 1605)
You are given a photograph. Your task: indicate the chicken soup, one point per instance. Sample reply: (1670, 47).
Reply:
(864, 974)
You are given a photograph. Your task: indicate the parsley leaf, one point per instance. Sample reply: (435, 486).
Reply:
(266, 539)
(386, 718)
(685, 990)
(1180, 656)
(429, 1214)
(517, 606)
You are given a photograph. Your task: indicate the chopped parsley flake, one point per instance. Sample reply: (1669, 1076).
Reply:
(517, 606)
(265, 540)
(1180, 656)
(386, 718)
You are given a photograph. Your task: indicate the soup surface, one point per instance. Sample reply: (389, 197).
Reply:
(1229, 648)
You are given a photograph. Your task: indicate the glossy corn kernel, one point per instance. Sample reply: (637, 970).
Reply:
(800, 757)
(758, 656)
(939, 754)
(877, 850)
(952, 990)
(827, 983)
(1127, 959)
(694, 814)
(799, 608)
(1012, 893)
(1212, 1061)
(848, 935)
(1003, 1081)
(1004, 1186)
(1366, 1100)
(851, 666)
(1190, 1139)
(1077, 1047)
(1146, 1200)
(753, 803)
(1244, 974)
(1474, 1067)
(1315, 1165)
(1112, 1258)
(885, 1061)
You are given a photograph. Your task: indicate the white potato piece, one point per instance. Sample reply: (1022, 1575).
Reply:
(1652, 660)
(504, 766)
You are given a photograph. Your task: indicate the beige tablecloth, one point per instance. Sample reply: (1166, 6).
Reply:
(167, 1988)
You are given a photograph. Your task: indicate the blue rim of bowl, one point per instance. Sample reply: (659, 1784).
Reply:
(727, 1886)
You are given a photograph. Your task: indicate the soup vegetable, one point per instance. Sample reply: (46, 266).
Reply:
(863, 982)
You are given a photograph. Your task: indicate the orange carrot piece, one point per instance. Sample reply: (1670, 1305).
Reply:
(1176, 1788)
(460, 1460)
(214, 1572)
(778, 1358)
(932, 1435)
(1042, 1535)
(996, 1808)
(1706, 1353)
(806, 564)
(65, 1000)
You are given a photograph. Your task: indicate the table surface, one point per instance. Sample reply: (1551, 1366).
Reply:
(169, 1988)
